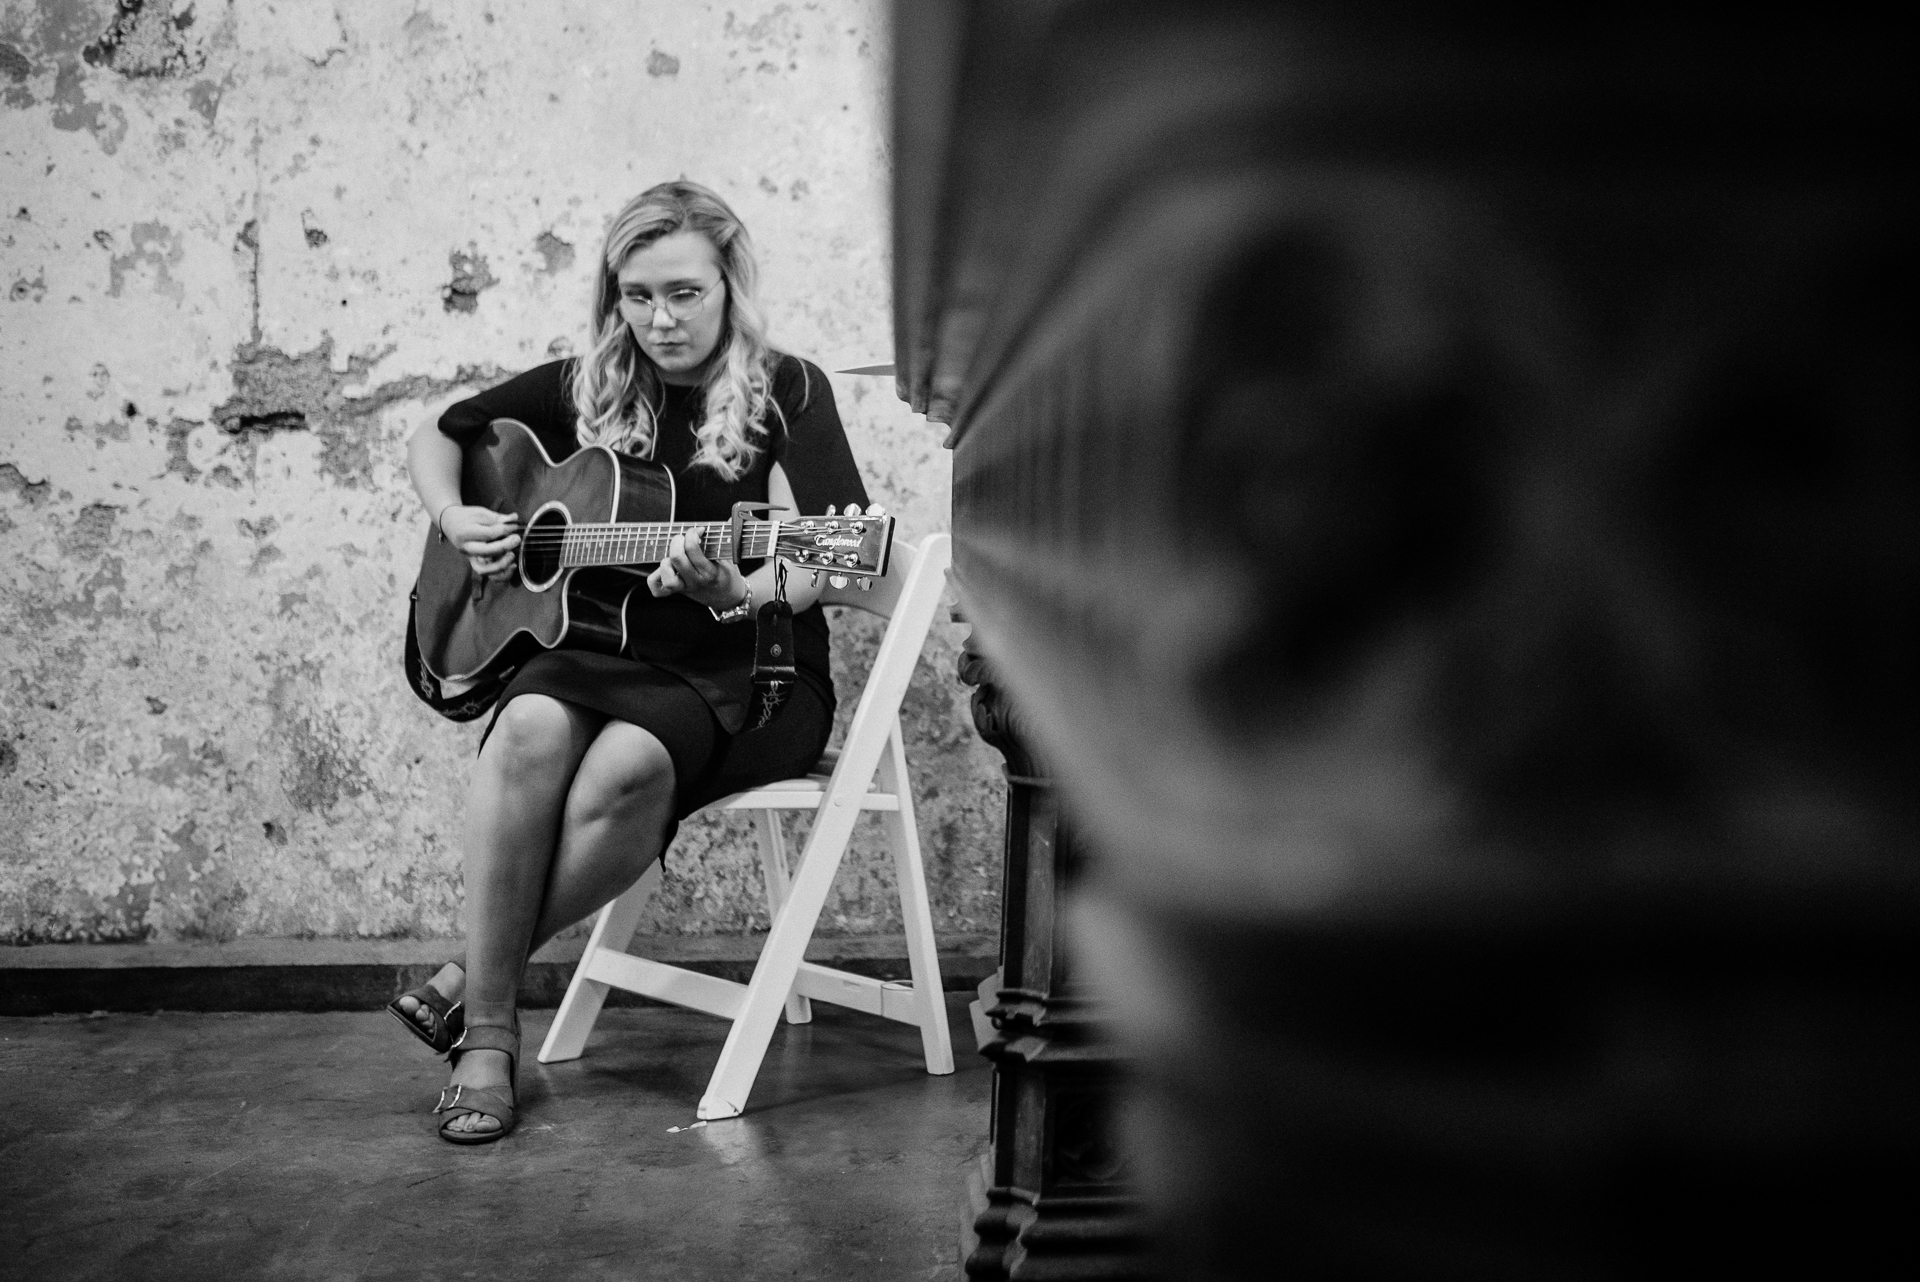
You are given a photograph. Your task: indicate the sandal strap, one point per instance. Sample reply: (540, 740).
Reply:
(443, 1024)
(432, 998)
(485, 1100)
(488, 1037)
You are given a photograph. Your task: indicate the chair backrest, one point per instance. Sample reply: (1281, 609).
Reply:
(907, 597)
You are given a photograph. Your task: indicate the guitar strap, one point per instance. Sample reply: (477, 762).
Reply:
(464, 704)
(773, 669)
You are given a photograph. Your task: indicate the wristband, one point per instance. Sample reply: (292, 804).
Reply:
(441, 516)
(734, 613)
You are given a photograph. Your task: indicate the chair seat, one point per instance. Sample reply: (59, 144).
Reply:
(800, 793)
(797, 794)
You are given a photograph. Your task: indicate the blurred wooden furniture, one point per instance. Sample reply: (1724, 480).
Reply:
(1053, 1195)
(1439, 486)
(868, 773)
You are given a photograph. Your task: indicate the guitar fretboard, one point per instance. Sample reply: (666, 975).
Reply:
(648, 542)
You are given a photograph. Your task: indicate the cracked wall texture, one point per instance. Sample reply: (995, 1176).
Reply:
(246, 248)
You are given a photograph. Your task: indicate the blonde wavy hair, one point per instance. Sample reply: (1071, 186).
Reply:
(617, 391)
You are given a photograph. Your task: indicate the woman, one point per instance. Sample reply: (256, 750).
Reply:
(592, 760)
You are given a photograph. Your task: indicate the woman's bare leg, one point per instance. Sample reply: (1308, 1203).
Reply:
(614, 826)
(514, 808)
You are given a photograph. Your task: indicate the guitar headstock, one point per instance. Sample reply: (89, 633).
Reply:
(849, 544)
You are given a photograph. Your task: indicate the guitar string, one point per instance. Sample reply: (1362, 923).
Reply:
(750, 544)
(604, 533)
(750, 540)
(605, 537)
(610, 544)
(655, 530)
(577, 532)
(649, 530)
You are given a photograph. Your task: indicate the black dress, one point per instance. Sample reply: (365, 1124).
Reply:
(686, 678)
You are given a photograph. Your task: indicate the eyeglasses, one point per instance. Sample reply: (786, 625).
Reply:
(679, 304)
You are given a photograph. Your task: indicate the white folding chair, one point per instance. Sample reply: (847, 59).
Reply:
(869, 772)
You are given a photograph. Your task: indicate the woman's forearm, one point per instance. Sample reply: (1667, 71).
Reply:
(433, 459)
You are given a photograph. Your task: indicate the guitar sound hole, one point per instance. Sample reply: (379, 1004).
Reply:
(540, 558)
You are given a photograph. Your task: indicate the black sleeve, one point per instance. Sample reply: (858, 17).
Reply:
(539, 398)
(813, 450)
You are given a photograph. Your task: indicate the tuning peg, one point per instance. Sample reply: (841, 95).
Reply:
(816, 578)
(829, 509)
(866, 585)
(853, 509)
(838, 580)
(874, 509)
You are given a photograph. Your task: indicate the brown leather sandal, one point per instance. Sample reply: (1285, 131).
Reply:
(448, 1022)
(488, 1101)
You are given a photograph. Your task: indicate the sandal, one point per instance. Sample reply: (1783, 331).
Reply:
(488, 1101)
(448, 1022)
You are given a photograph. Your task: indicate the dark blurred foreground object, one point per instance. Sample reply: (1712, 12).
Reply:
(1443, 491)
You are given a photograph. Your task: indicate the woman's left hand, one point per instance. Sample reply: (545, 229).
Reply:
(689, 572)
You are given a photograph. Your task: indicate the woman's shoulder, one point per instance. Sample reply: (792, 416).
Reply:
(811, 445)
(551, 378)
(537, 397)
(787, 365)
(797, 381)
(551, 373)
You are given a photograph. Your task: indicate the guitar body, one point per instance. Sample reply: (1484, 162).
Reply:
(472, 630)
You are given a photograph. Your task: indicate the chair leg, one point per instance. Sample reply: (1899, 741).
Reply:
(574, 1021)
(916, 913)
(773, 867)
(780, 958)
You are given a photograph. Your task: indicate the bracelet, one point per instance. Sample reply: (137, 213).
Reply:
(441, 516)
(734, 613)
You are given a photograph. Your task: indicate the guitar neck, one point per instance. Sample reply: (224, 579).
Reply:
(648, 542)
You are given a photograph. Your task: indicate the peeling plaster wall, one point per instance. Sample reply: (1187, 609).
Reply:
(246, 247)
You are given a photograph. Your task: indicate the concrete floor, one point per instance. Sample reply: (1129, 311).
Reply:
(282, 1146)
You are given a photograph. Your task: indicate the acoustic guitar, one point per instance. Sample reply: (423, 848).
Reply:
(589, 528)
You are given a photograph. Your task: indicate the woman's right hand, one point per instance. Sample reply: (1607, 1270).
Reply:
(486, 538)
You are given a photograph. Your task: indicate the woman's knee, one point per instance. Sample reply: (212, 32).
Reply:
(530, 729)
(626, 774)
